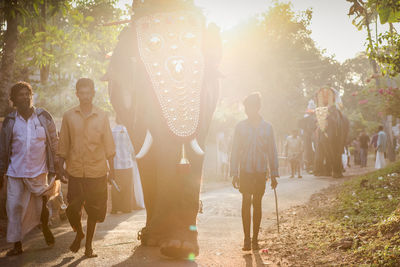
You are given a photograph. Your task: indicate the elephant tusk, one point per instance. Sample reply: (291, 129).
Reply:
(148, 141)
(196, 147)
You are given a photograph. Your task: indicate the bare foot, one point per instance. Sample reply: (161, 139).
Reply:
(48, 236)
(76, 244)
(14, 252)
(89, 253)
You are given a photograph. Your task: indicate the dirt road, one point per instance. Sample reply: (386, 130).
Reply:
(220, 233)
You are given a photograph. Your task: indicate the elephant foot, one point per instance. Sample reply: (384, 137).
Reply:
(147, 239)
(153, 242)
(179, 249)
(327, 174)
(337, 175)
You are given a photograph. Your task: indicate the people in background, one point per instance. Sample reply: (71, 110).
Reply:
(293, 152)
(364, 141)
(381, 146)
(122, 196)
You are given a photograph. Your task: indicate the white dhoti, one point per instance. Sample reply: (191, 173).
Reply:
(24, 204)
(380, 160)
(137, 186)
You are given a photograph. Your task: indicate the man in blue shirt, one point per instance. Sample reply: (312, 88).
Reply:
(253, 151)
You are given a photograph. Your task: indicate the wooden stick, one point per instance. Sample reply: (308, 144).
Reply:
(276, 208)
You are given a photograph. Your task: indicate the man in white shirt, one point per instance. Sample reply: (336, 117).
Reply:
(27, 154)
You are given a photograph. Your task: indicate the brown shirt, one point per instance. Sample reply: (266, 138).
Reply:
(86, 142)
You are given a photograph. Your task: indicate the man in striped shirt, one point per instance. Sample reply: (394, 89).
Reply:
(123, 164)
(253, 151)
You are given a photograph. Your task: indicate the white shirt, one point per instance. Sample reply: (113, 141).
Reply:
(28, 148)
(123, 148)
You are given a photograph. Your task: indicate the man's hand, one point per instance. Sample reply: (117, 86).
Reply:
(235, 182)
(274, 183)
(62, 174)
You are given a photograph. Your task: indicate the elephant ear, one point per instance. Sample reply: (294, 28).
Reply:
(124, 77)
(212, 50)
(119, 77)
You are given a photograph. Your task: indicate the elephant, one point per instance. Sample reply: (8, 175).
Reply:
(309, 125)
(163, 84)
(330, 143)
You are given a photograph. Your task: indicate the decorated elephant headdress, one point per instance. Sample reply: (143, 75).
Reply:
(168, 39)
(326, 98)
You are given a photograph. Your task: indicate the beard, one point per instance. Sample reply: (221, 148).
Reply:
(24, 104)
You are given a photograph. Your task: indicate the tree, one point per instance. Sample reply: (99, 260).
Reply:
(10, 15)
(61, 41)
(275, 54)
(385, 49)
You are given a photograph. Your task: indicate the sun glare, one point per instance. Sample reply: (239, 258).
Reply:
(227, 14)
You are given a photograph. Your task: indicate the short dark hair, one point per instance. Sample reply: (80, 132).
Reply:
(253, 99)
(84, 82)
(380, 128)
(18, 87)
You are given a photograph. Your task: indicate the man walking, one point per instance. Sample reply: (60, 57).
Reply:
(253, 151)
(381, 149)
(364, 141)
(28, 143)
(86, 144)
(293, 152)
(123, 163)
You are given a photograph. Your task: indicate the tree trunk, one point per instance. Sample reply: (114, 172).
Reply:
(44, 70)
(372, 61)
(6, 72)
(8, 58)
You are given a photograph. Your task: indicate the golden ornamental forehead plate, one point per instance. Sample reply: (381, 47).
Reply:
(170, 47)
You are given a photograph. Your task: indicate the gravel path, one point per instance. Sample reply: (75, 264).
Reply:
(220, 232)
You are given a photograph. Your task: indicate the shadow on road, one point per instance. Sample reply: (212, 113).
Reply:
(248, 258)
(150, 256)
(66, 260)
(37, 253)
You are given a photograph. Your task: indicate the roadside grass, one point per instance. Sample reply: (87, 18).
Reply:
(367, 212)
(355, 223)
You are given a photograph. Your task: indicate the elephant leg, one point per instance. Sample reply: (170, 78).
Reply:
(183, 242)
(337, 166)
(149, 180)
(166, 190)
(319, 165)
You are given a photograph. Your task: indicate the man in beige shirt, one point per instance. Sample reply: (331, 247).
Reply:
(86, 144)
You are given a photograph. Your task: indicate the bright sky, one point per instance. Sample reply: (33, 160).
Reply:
(331, 27)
